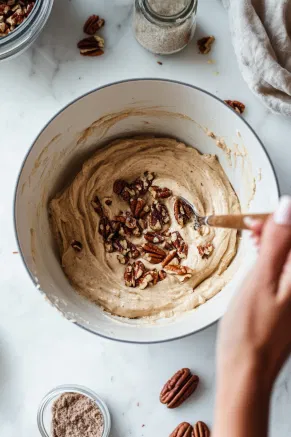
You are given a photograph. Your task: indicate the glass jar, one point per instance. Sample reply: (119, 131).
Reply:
(165, 27)
(44, 414)
(23, 36)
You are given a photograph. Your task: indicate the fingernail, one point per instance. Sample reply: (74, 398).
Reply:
(250, 222)
(282, 214)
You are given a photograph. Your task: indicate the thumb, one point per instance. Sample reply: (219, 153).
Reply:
(276, 241)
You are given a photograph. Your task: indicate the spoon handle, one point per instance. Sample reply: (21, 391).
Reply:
(235, 221)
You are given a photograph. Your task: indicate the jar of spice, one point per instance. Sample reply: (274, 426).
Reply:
(164, 27)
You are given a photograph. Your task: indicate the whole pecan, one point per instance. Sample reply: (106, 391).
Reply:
(204, 44)
(93, 24)
(236, 105)
(153, 254)
(179, 388)
(182, 211)
(160, 193)
(91, 46)
(183, 430)
(201, 430)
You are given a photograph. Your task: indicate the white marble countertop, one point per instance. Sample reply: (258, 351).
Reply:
(38, 349)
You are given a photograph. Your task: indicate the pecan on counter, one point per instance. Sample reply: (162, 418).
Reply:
(179, 388)
(93, 24)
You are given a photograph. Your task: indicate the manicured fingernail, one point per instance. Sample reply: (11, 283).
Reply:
(282, 215)
(250, 222)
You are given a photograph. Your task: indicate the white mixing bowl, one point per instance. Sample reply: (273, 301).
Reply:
(123, 109)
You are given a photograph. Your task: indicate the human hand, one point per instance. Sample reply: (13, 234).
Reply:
(256, 330)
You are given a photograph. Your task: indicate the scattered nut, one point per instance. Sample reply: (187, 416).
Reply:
(201, 430)
(153, 254)
(236, 105)
(154, 237)
(91, 46)
(159, 216)
(205, 251)
(171, 255)
(183, 430)
(183, 212)
(160, 193)
(179, 244)
(204, 44)
(93, 24)
(97, 206)
(179, 388)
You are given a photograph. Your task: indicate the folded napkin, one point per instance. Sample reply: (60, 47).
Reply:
(261, 31)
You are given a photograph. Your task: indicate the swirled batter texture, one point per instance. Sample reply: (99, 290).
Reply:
(98, 275)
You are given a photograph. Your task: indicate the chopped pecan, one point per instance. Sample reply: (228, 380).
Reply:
(129, 276)
(133, 250)
(168, 246)
(204, 44)
(183, 430)
(96, 204)
(123, 259)
(155, 275)
(91, 46)
(236, 105)
(137, 206)
(143, 223)
(105, 228)
(133, 274)
(145, 280)
(178, 270)
(205, 251)
(77, 246)
(179, 388)
(93, 24)
(153, 254)
(201, 430)
(109, 246)
(159, 216)
(179, 244)
(142, 184)
(183, 212)
(162, 275)
(171, 255)
(121, 245)
(154, 237)
(108, 202)
(160, 193)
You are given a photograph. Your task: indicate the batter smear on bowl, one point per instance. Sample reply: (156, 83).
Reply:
(126, 240)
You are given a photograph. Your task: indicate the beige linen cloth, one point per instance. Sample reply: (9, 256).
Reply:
(261, 31)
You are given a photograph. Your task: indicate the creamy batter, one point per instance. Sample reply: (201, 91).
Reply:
(98, 275)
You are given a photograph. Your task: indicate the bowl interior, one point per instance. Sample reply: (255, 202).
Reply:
(124, 109)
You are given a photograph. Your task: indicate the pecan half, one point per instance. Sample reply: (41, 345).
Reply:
(91, 46)
(93, 24)
(183, 430)
(129, 276)
(137, 206)
(121, 245)
(153, 254)
(183, 213)
(179, 244)
(105, 228)
(179, 388)
(154, 237)
(204, 44)
(96, 204)
(77, 246)
(205, 251)
(236, 105)
(201, 430)
(119, 186)
(146, 280)
(160, 193)
(182, 273)
(159, 216)
(169, 258)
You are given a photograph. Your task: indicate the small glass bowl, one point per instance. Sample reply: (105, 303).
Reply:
(44, 414)
(24, 35)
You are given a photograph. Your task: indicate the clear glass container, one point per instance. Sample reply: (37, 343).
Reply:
(24, 35)
(44, 414)
(164, 27)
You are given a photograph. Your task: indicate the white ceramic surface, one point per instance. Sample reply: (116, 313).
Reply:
(146, 107)
(39, 349)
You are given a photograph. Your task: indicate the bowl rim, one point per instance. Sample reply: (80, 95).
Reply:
(107, 337)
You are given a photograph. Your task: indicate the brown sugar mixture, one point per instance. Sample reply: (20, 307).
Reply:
(76, 415)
